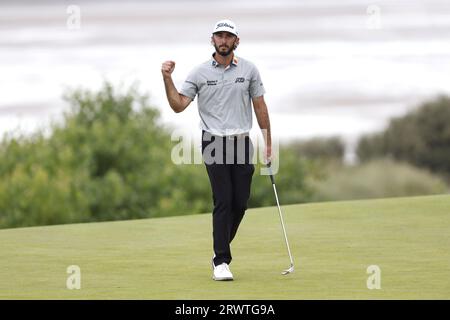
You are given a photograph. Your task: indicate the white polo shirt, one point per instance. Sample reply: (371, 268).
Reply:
(224, 95)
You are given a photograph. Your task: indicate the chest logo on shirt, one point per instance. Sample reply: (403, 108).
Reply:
(211, 82)
(239, 80)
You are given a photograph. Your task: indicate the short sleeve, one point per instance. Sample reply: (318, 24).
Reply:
(190, 87)
(256, 84)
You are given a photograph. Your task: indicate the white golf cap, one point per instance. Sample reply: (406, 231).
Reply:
(225, 25)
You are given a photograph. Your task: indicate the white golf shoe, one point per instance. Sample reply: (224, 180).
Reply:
(222, 272)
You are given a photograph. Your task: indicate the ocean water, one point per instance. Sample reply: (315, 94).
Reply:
(329, 67)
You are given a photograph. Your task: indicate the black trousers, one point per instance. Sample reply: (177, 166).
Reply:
(230, 172)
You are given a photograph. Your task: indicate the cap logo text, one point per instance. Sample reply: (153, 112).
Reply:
(224, 24)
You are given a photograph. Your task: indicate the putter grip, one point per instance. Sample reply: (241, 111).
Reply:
(270, 172)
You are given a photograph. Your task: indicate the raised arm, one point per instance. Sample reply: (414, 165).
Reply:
(177, 101)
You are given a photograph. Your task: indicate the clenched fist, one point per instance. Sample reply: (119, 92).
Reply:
(167, 68)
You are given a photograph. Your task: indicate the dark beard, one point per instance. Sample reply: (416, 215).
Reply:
(224, 53)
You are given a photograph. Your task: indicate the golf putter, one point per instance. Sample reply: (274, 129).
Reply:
(291, 268)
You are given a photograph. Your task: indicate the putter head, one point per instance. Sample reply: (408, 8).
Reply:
(287, 271)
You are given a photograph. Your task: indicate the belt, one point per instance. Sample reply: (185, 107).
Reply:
(230, 137)
(239, 135)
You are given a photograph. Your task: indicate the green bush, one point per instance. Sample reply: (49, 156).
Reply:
(421, 138)
(329, 149)
(293, 180)
(377, 179)
(108, 160)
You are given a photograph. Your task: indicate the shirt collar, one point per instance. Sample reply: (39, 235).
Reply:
(215, 64)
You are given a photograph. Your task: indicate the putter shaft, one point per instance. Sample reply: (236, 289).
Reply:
(282, 225)
(291, 268)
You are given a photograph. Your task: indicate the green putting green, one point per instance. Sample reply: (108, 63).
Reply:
(333, 244)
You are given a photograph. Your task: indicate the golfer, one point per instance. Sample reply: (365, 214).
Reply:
(226, 86)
